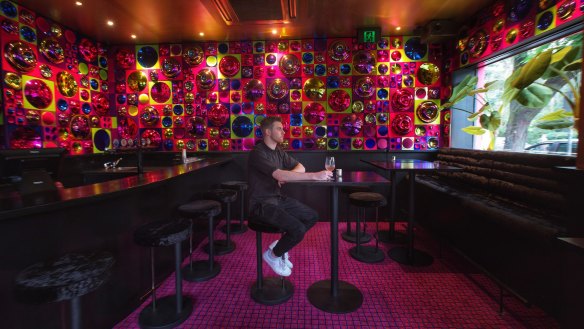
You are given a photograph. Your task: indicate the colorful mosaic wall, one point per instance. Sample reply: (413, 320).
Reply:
(507, 23)
(331, 94)
(55, 90)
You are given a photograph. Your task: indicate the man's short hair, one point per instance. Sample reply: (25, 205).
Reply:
(267, 122)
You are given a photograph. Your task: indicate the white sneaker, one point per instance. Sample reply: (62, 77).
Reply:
(285, 256)
(277, 264)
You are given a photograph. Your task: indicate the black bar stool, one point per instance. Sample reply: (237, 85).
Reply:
(172, 310)
(350, 235)
(271, 290)
(226, 196)
(241, 187)
(66, 278)
(362, 200)
(202, 270)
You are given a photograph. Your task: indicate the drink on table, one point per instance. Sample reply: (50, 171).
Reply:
(329, 163)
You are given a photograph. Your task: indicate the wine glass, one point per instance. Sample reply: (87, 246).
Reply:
(329, 163)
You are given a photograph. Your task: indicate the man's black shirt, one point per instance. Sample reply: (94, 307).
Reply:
(262, 162)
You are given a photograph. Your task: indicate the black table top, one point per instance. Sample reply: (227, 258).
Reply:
(411, 165)
(349, 178)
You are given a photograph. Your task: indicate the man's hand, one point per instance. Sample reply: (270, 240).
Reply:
(322, 175)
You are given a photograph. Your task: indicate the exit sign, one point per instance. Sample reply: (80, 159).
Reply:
(368, 34)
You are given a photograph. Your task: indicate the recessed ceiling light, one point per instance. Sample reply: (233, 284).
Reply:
(110, 23)
(79, 3)
(398, 28)
(133, 36)
(274, 31)
(202, 34)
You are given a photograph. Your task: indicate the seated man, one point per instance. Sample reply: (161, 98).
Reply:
(268, 168)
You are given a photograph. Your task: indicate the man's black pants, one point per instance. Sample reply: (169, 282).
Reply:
(290, 215)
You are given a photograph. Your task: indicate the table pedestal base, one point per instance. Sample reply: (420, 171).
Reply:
(352, 236)
(396, 237)
(420, 258)
(348, 298)
(367, 254)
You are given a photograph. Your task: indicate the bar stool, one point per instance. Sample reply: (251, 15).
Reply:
(272, 290)
(66, 278)
(350, 235)
(172, 310)
(226, 196)
(201, 270)
(362, 200)
(241, 187)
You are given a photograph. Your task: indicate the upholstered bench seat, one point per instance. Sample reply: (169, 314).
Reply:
(504, 211)
(524, 221)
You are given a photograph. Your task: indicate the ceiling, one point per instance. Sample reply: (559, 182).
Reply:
(157, 21)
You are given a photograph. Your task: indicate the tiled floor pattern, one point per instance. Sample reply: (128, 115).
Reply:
(395, 296)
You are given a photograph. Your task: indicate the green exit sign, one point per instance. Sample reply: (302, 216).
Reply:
(368, 34)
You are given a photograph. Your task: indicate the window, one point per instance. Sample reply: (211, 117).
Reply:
(545, 147)
(567, 147)
(533, 127)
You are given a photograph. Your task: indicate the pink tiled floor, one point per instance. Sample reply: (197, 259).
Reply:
(395, 296)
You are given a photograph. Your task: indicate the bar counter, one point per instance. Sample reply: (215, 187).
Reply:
(94, 218)
(70, 197)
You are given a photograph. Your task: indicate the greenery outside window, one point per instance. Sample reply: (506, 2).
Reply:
(526, 103)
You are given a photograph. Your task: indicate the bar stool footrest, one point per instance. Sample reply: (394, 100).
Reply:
(166, 315)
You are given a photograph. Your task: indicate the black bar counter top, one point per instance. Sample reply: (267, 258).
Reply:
(14, 206)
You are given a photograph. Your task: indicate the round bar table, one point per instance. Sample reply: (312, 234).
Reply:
(334, 295)
(410, 255)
